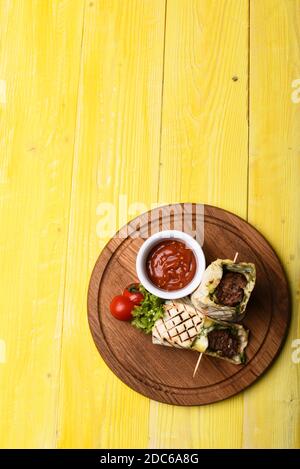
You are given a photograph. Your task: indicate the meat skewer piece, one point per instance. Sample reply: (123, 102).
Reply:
(225, 289)
(184, 327)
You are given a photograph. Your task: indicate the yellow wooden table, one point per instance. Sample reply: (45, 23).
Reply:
(119, 105)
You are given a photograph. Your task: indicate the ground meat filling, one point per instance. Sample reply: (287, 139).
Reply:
(230, 290)
(223, 341)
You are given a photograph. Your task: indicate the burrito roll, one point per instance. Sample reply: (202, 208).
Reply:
(183, 326)
(222, 340)
(180, 325)
(225, 289)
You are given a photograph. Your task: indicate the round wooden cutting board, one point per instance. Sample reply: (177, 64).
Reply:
(166, 374)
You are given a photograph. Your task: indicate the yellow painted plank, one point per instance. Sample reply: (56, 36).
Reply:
(272, 407)
(39, 73)
(204, 129)
(116, 163)
(204, 157)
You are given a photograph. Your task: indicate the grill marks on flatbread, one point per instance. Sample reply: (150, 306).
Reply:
(180, 325)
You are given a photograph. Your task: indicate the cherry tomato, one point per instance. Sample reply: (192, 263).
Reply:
(132, 292)
(121, 308)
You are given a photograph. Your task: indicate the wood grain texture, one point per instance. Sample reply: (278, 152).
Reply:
(166, 374)
(274, 202)
(204, 115)
(117, 150)
(40, 57)
(204, 158)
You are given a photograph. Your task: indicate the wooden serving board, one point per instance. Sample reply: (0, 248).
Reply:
(163, 373)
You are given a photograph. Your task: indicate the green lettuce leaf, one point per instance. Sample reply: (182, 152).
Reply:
(148, 312)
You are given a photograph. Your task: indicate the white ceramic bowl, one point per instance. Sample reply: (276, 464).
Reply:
(142, 258)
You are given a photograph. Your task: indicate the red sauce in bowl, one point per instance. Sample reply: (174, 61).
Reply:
(171, 265)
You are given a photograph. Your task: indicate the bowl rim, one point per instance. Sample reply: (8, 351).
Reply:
(191, 243)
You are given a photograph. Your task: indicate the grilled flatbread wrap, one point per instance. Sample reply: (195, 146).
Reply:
(208, 296)
(182, 326)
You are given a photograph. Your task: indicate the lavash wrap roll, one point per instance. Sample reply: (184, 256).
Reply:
(205, 300)
(237, 330)
(183, 326)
